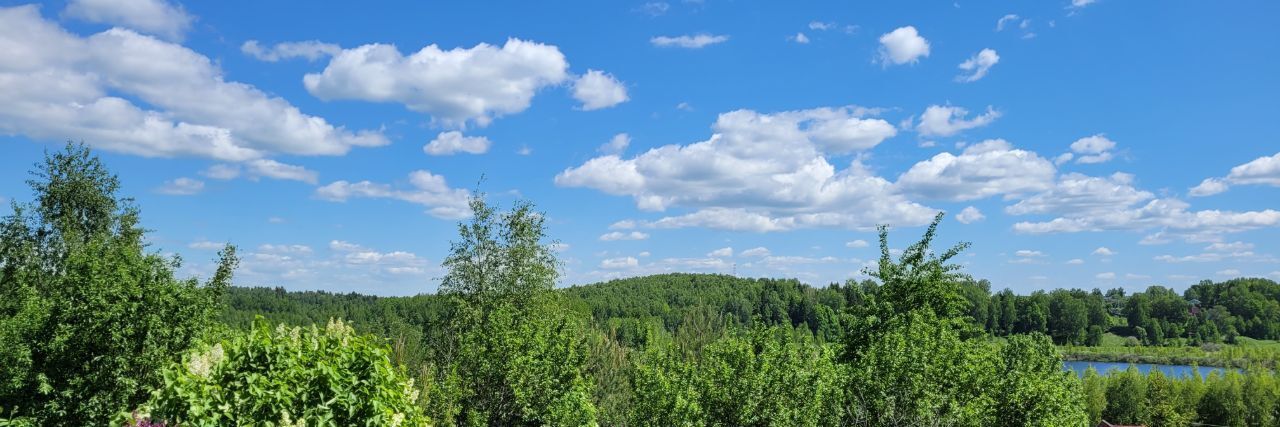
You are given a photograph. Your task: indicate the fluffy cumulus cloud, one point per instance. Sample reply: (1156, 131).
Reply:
(760, 172)
(759, 251)
(310, 50)
(426, 189)
(616, 145)
(989, 168)
(453, 142)
(1080, 203)
(1260, 171)
(970, 215)
(456, 86)
(859, 243)
(597, 89)
(901, 46)
(156, 17)
(696, 41)
(1079, 194)
(181, 187)
(56, 85)
(1090, 149)
(946, 120)
(976, 67)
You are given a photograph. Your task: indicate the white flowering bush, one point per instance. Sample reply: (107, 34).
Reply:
(285, 376)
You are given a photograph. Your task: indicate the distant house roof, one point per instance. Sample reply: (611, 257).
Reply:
(1104, 423)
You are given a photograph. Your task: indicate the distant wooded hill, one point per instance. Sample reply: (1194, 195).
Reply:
(1206, 312)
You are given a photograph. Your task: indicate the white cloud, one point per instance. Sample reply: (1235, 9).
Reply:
(181, 187)
(989, 168)
(619, 263)
(1260, 171)
(1103, 251)
(222, 171)
(284, 249)
(150, 16)
(1075, 261)
(559, 247)
(760, 172)
(821, 26)
(1209, 187)
(55, 85)
(696, 41)
(620, 235)
(262, 168)
(903, 45)
(616, 145)
(859, 243)
(1093, 149)
(1000, 23)
(205, 245)
(344, 246)
(310, 50)
(655, 8)
(970, 215)
(799, 38)
(453, 142)
(427, 189)
(759, 251)
(625, 224)
(1027, 253)
(940, 120)
(720, 253)
(1079, 194)
(597, 89)
(1229, 247)
(684, 106)
(454, 86)
(273, 169)
(978, 65)
(1079, 4)
(1106, 276)
(1168, 214)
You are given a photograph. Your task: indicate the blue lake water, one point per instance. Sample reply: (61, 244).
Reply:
(1176, 371)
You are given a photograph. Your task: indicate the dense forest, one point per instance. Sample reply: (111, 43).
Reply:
(95, 329)
(1207, 313)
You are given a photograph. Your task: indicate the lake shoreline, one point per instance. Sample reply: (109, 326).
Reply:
(1163, 360)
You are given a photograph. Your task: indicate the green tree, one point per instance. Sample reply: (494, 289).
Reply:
(520, 355)
(1223, 402)
(1094, 389)
(88, 317)
(1126, 397)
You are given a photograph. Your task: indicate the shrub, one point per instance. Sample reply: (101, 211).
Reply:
(289, 376)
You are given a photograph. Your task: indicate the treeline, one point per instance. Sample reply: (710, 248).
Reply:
(1230, 398)
(1207, 312)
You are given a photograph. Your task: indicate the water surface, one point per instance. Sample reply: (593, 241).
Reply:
(1175, 371)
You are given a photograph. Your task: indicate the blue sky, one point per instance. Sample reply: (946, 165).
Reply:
(1076, 144)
